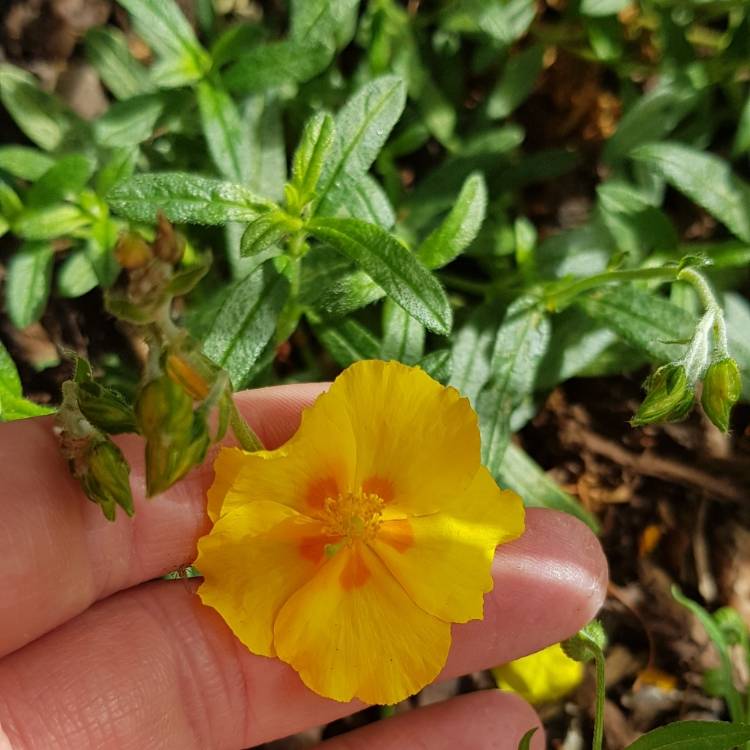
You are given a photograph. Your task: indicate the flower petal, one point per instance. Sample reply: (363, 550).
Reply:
(318, 462)
(443, 560)
(353, 632)
(227, 466)
(253, 560)
(417, 441)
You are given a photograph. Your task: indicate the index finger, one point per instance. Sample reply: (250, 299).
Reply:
(60, 554)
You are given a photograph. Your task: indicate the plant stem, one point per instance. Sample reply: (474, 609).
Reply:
(711, 305)
(600, 689)
(243, 432)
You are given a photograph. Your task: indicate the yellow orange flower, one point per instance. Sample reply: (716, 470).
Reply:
(541, 677)
(349, 551)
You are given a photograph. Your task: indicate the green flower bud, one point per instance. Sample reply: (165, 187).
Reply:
(669, 396)
(105, 408)
(721, 390)
(105, 478)
(164, 407)
(584, 645)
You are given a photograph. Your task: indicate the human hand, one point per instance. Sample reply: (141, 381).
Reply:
(98, 655)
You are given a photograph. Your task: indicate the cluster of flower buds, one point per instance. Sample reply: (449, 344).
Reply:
(179, 389)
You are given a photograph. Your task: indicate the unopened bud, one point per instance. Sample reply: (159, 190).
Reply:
(183, 370)
(105, 408)
(132, 251)
(669, 396)
(722, 386)
(105, 479)
(168, 245)
(584, 645)
(163, 406)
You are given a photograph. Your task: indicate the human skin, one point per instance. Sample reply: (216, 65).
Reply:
(97, 654)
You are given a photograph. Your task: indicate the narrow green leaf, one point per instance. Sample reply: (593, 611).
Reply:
(246, 322)
(517, 82)
(525, 743)
(161, 24)
(520, 344)
(347, 341)
(523, 475)
(264, 232)
(236, 39)
(10, 203)
(643, 319)
(267, 148)
(653, 116)
(314, 146)
(270, 65)
(227, 137)
(65, 179)
(504, 22)
(365, 200)
(437, 364)
(184, 198)
(459, 228)
(471, 352)
(725, 678)
(28, 282)
(129, 122)
(107, 50)
(42, 117)
(330, 21)
(76, 275)
(10, 382)
(602, 7)
(362, 127)
(24, 162)
(403, 336)
(49, 222)
(693, 735)
(705, 179)
(15, 407)
(391, 266)
(118, 167)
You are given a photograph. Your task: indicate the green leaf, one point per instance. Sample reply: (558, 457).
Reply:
(459, 228)
(314, 146)
(10, 382)
(520, 344)
(265, 231)
(330, 21)
(130, 122)
(234, 40)
(119, 166)
(10, 203)
(602, 7)
(525, 743)
(653, 116)
(643, 319)
(49, 222)
(246, 322)
(362, 127)
(42, 117)
(403, 336)
(504, 22)
(437, 364)
(517, 82)
(184, 198)
(65, 179)
(28, 282)
(267, 148)
(107, 50)
(390, 265)
(271, 65)
(693, 735)
(227, 137)
(705, 179)
(163, 27)
(471, 352)
(523, 475)
(24, 162)
(365, 200)
(347, 341)
(728, 690)
(76, 275)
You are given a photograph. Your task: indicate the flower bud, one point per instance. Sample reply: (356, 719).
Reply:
(105, 479)
(721, 390)
(168, 244)
(105, 408)
(669, 396)
(163, 406)
(132, 251)
(189, 373)
(586, 642)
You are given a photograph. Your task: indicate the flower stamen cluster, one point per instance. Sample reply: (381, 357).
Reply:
(353, 516)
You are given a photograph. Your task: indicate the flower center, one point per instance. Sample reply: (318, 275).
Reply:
(353, 515)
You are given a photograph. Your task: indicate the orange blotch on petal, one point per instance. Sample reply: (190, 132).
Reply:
(313, 548)
(355, 573)
(379, 486)
(397, 534)
(319, 490)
